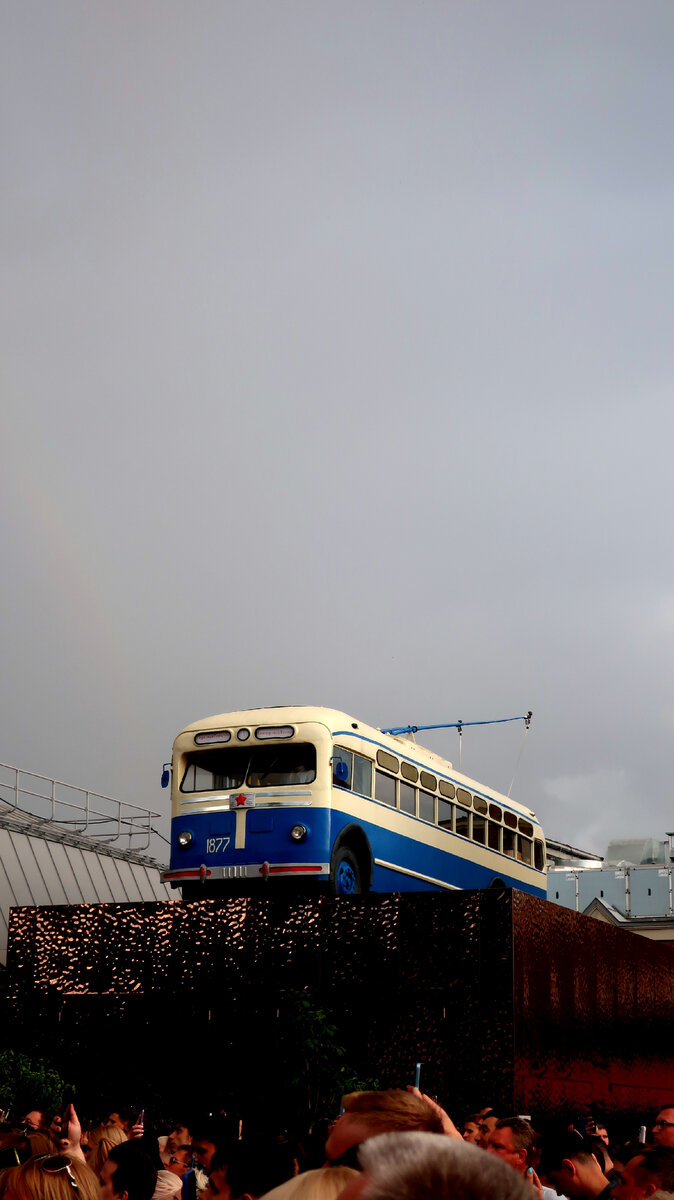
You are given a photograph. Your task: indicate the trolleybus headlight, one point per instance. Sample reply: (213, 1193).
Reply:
(298, 833)
(184, 838)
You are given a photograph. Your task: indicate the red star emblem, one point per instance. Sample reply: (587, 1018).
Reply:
(240, 800)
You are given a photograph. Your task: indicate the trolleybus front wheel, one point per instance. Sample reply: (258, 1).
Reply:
(345, 877)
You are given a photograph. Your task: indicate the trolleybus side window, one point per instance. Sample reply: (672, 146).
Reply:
(342, 768)
(462, 822)
(362, 775)
(408, 796)
(385, 787)
(493, 835)
(351, 771)
(426, 806)
(509, 842)
(479, 829)
(445, 814)
(525, 851)
(539, 856)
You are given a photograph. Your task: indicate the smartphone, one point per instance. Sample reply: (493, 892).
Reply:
(642, 1134)
(417, 1075)
(66, 1101)
(140, 1119)
(190, 1186)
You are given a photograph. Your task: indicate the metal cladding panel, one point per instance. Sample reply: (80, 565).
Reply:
(97, 875)
(594, 1013)
(609, 886)
(145, 884)
(14, 854)
(84, 880)
(48, 874)
(649, 892)
(5, 900)
(66, 872)
(113, 878)
(128, 879)
(562, 889)
(159, 890)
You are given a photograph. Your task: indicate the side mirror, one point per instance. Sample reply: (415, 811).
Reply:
(166, 775)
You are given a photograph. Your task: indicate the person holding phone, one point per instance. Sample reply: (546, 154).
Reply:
(366, 1114)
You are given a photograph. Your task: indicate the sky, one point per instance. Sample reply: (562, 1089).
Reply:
(336, 369)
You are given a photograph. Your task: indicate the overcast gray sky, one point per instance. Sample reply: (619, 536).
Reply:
(336, 368)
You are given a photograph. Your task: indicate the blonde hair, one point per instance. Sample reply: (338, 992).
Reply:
(31, 1182)
(324, 1184)
(101, 1141)
(392, 1110)
(39, 1144)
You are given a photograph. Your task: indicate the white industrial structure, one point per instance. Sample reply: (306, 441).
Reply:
(631, 886)
(60, 844)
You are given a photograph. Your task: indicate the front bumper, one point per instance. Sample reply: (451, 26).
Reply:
(264, 870)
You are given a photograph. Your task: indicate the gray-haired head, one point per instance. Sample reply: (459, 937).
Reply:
(430, 1166)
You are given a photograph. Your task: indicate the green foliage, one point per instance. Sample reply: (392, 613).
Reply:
(316, 1069)
(27, 1083)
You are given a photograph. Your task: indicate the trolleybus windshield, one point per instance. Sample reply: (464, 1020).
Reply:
(248, 766)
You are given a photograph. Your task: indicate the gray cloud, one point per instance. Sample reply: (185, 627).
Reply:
(336, 369)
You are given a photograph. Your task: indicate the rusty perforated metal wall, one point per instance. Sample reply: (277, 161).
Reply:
(593, 1013)
(505, 998)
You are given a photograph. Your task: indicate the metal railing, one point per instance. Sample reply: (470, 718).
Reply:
(75, 809)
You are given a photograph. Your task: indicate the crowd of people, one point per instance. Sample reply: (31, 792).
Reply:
(386, 1145)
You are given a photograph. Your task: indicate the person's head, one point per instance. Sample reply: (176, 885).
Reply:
(51, 1177)
(127, 1174)
(122, 1118)
(663, 1128)
(250, 1169)
(601, 1131)
(180, 1161)
(179, 1136)
(218, 1181)
(601, 1152)
(34, 1120)
(470, 1130)
(645, 1174)
(572, 1168)
(423, 1166)
(327, 1183)
(210, 1136)
(512, 1140)
(101, 1141)
(367, 1114)
(488, 1122)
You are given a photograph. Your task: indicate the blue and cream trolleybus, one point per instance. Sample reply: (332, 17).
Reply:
(314, 796)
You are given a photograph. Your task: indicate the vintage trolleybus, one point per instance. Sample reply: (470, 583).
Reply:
(314, 796)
